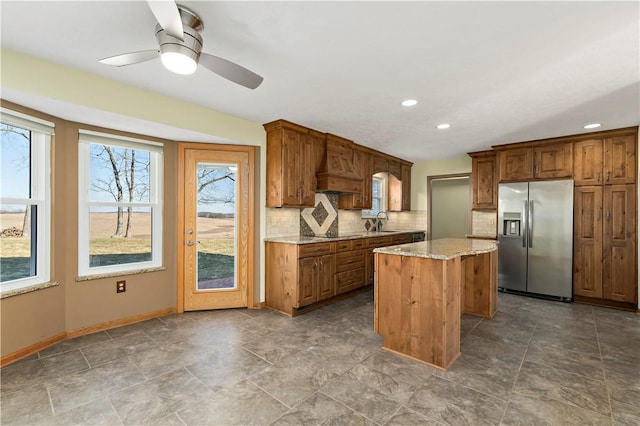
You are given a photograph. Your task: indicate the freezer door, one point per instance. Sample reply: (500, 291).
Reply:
(550, 238)
(512, 250)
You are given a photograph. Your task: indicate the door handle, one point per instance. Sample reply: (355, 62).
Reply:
(530, 230)
(190, 243)
(608, 175)
(525, 218)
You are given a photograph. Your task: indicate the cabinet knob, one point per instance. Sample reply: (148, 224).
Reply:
(598, 176)
(608, 175)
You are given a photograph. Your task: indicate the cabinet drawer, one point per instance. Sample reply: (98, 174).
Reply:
(349, 260)
(401, 239)
(306, 250)
(349, 280)
(374, 242)
(343, 246)
(358, 244)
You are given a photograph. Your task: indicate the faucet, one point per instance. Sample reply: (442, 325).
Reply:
(379, 221)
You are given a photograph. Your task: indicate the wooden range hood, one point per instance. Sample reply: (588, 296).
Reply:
(337, 171)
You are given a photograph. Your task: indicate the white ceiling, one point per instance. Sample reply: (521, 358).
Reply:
(498, 72)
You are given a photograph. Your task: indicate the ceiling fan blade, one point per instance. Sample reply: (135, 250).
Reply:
(168, 16)
(230, 71)
(130, 58)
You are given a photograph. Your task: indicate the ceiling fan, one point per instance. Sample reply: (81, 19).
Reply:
(180, 45)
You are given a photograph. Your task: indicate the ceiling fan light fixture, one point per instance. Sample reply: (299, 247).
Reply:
(178, 63)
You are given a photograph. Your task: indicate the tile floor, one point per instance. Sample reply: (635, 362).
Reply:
(537, 362)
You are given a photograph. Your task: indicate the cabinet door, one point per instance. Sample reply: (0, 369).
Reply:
(587, 245)
(406, 187)
(394, 198)
(380, 164)
(620, 160)
(515, 164)
(326, 279)
(307, 281)
(553, 161)
(620, 279)
(291, 167)
(587, 162)
(306, 169)
(483, 180)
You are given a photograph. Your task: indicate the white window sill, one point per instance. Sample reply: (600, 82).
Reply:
(119, 274)
(28, 289)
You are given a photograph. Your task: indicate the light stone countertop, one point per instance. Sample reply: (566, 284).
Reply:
(444, 249)
(296, 239)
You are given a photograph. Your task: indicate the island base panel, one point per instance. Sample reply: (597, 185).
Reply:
(418, 307)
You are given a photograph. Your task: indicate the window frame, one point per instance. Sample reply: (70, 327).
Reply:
(382, 178)
(156, 177)
(41, 132)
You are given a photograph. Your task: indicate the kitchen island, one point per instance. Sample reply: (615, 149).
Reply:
(422, 288)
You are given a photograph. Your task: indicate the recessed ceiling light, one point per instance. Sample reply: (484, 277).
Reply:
(592, 125)
(409, 102)
(443, 126)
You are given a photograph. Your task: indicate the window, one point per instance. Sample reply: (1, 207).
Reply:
(379, 198)
(25, 213)
(120, 204)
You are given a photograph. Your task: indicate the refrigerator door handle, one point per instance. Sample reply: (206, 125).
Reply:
(525, 220)
(530, 224)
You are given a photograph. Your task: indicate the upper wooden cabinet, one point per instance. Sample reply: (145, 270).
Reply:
(362, 161)
(291, 164)
(608, 161)
(549, 161)
(484, 186)
(399, 197)
(553, 161)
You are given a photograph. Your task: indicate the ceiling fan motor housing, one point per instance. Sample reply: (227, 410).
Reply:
(192, 44)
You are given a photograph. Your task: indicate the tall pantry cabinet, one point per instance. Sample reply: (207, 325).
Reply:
(605, 232)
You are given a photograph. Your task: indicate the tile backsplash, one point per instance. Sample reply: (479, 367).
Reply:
(322, 220)
(483, 223)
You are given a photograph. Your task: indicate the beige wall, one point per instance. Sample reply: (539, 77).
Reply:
(33, 317)
(420, 172)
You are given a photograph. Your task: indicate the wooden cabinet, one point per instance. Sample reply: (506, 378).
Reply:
(548, 161)
(620, 256)
(484, 186)
(291, 162)
(298, 275)
(361, 201)
(399, 196)
(587, 241)
(350, 267)
(609, 161)
(605, 253)
(515, 164)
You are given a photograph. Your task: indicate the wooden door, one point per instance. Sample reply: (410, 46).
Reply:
(215, 268)
(483, 181)
(587, 245)
(587, 162)
(620, 256)
(307, 281)
(620, 160)
(326, 279)
(515, 164)
(553, 161)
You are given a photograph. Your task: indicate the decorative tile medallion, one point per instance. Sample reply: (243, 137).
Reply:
(322, 220)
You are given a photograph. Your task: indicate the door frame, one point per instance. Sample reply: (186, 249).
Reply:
(430, 198)
(250, 273)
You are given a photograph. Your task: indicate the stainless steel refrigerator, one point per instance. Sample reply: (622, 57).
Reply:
(535, 231)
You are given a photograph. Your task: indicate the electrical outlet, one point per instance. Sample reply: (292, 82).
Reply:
(121, 286)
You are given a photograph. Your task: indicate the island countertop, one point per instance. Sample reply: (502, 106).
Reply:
(443, 249)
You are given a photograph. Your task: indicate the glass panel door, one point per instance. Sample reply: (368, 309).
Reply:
(216, 224)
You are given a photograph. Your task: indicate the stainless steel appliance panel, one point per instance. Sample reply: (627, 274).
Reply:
(550, 238)
(512, 251)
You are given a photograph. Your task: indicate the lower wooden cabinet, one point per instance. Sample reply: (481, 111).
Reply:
(300, 275)
(605, 252)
